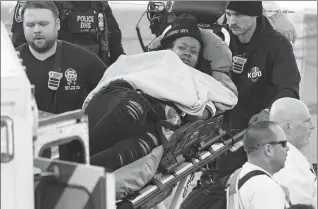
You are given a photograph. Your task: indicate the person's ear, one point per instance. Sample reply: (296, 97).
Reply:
(58, 24)
(268, 150)
(287, 127)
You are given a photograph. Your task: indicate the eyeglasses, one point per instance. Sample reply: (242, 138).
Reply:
(283, 143)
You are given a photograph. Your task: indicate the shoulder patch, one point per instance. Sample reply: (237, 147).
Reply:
(17, 13)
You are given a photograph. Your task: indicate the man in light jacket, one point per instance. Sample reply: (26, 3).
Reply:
(298, 176)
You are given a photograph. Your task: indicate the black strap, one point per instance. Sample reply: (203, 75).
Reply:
(249, 175)
(58, 57)
(57, 68)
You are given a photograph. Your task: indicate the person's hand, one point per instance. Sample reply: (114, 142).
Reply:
(222, 107)
(262, 116)
(206, 115)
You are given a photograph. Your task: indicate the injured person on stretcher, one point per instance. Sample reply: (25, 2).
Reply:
(143, 99)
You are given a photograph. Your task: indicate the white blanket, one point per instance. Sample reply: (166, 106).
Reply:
(162, 75)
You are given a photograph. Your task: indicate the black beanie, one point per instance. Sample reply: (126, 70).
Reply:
(250, 8)
(184, 25)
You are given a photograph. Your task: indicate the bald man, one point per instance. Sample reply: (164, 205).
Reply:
(266, 146)
(293, 117)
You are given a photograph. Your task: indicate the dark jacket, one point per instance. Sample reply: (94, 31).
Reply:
(90, 40)
(270, 73)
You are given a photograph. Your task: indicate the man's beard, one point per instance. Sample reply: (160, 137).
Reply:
(43, 48)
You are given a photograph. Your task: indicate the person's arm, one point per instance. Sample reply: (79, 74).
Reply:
(115, 38)
(17, 26)
(300, 190)
(208, 112)
(300, 185)
(216, 59)
(285, 75)
(94, 72)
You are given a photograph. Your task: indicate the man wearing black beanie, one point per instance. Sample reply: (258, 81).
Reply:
(264, 69)
(264, 66)
(243, 24)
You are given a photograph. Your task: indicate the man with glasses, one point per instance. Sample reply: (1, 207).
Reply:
(266, 146)
(294, 118)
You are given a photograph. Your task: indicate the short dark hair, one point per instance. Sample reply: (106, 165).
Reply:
(258, 133)
(49, 5)
(301, 206)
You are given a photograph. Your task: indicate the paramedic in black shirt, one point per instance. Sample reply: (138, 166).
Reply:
(264, 69)
(264, 65)
(63, 73)
(79, 71)
(84, 23)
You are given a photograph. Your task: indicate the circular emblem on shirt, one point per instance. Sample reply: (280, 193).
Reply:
(71, 76)
(254, 74)
(72, 80)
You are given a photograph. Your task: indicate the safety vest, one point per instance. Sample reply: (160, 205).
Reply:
(85, 24)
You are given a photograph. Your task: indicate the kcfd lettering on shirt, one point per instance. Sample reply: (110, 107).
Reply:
(85, 22)
(254, 74)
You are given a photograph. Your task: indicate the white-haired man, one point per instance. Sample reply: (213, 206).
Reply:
(293, 117)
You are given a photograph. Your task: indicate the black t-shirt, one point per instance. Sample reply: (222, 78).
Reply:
(81, 71)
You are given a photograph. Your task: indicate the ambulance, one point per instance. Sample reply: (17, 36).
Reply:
(28, 180)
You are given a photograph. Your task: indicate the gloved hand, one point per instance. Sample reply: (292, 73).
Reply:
(262, 116)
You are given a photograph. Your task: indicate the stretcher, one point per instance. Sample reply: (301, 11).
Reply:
(206, 143)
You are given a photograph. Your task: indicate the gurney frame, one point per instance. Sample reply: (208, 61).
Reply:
(153, 195)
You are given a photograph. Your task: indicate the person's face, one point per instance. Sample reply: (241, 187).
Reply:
(238, 23)
(278, 150)
(188, 49)
(40, 28)
(301, 129)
